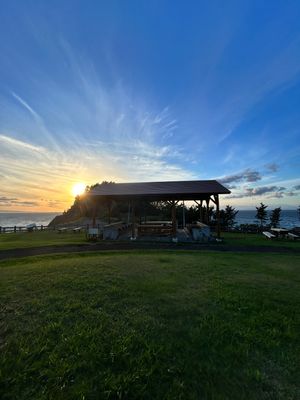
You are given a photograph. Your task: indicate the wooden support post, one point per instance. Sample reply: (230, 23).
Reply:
(174, 227)
(218, 216)
(109, 211)
(95, 209)
(128, 213)
(207, 211)
(133, 221)
(201, 211)
(140, 213)
(183, 215)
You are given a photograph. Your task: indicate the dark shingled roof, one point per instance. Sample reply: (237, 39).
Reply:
(181, 190)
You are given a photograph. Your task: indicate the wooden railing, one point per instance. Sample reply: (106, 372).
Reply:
(15, 229)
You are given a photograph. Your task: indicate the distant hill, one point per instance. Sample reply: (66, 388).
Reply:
(80, 211)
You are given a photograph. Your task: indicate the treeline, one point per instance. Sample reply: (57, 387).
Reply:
(274, 218)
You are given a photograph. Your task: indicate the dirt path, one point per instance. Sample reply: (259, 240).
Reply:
(73, 248)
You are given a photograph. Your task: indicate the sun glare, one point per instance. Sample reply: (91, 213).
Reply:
(78, 189)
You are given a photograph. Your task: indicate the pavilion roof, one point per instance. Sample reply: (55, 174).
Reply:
(181, 190)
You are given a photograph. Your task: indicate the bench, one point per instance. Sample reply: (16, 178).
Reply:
(293, 236)
(269, 235)
(61, 230)
(78, 229)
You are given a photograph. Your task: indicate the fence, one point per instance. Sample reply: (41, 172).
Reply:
(15, 229)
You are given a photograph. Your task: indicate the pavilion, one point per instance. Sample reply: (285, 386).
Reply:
(202, 192)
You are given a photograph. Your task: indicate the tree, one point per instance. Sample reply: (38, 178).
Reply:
(275, 217)
(208, 213)
(261, 213)
(298, 212)
(229, 216)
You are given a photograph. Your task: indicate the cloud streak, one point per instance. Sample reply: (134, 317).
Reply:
(247, 176)
(20, 144)
(273, 191)
(9, 202)
(272, 167)
(26, 106)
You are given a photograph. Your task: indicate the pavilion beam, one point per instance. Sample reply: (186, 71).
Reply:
(213, 199)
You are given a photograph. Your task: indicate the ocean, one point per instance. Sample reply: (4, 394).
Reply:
(23, 219)
(289, 218)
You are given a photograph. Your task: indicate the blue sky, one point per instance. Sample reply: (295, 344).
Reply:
(149, 90)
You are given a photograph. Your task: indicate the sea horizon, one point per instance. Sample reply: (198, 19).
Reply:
(289, 218)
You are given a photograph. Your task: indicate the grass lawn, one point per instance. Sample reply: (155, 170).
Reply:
(39, 238)
(257, 239)
(141, 325)
(53, 238)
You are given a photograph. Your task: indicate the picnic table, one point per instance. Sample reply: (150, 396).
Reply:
(280, 232)
(293, 236)
(77, 229)
(154, 229)
(269, 235)
(61, 230)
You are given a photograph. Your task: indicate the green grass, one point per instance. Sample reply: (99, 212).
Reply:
(253, 239)
(39, 238)
(47, 238)
(141, 325)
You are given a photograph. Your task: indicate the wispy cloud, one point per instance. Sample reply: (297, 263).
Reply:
(26, 105)
(98, 134)
(10, 202)
(20, 144)
(271, 191)
(247, 176)
(273, 167)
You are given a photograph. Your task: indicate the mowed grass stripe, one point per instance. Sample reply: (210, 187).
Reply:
(23, 240)
(141, 325)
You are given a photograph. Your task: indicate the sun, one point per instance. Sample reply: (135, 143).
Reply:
(78, 189)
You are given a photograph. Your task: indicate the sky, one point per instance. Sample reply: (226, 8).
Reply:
(129, 91)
